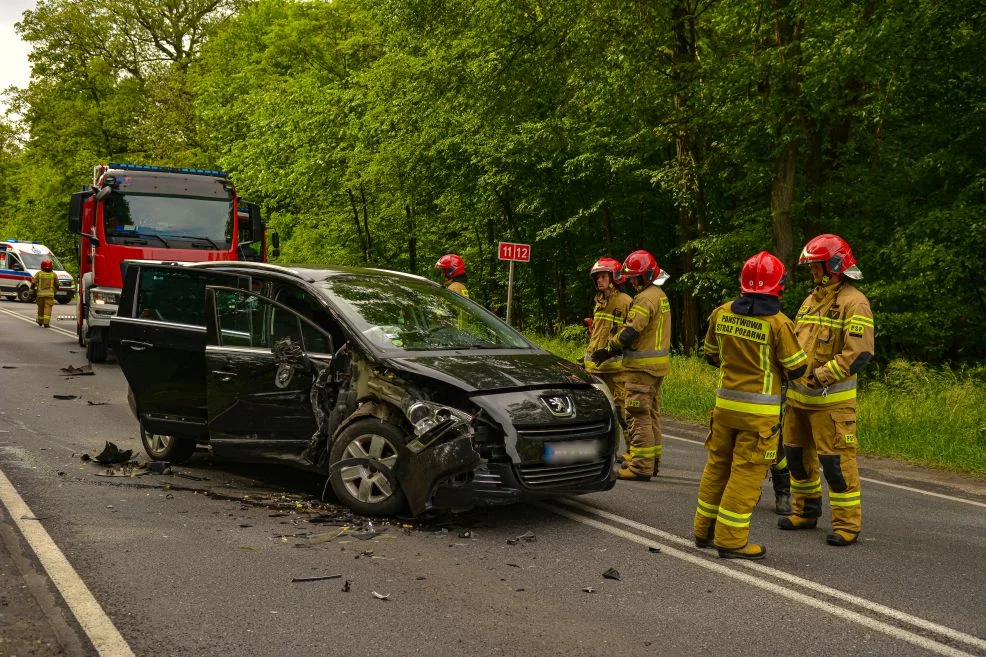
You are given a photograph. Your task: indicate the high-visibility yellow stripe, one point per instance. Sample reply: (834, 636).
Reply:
(747, 407)
(861, 319)
(832, 398)
(637, 310)
(734, 515)
(705, 514)
(604, 316)
(807, 486)
(643, 452)
(705, 505)
(782, 463)
(657, 360)
(849, 502)
(843, 496)
(836, 370)
(795, 359)
(731, 522)
(665, 305)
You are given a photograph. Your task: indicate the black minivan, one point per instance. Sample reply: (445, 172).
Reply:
(405, 394)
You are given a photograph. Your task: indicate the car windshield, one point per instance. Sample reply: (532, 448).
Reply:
(168, 221)
(33, 261)
(399, 313)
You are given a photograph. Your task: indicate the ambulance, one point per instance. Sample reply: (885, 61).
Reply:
(20, 261)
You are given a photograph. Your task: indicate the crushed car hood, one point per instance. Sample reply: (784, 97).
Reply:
(492, 371)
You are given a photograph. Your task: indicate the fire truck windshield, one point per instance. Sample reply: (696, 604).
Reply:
(168, 221)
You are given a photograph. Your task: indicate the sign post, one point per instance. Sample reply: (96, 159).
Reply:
(513, 253)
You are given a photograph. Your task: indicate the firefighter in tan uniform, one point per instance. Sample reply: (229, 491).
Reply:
(607, 318)
(754, 345)
(453, 269)
(835, 327)
(44, 284)
(644, 340)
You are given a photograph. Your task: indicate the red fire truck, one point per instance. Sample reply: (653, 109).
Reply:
(141, 212)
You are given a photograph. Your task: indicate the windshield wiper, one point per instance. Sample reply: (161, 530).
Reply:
(140, 239)
(198, 237)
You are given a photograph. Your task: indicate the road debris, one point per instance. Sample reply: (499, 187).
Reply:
(588, 589)
(85, 370)
(124, 470)
(466, 534)
(612, 573)
(346, 586)
(111, 454)
(527, 537)
(315, 578)
(381, 596)
(365, 553)
(96, 403)
(65, 397)
(159, 467)
(654, 549)
(10, 367)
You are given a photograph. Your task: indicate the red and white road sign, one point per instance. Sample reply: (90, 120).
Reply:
(518, 252)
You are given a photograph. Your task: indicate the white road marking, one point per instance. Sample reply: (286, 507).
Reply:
(911, 489)
(30, 320)
(794, 579)
(104, 636)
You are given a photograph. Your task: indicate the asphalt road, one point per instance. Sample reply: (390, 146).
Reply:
(200, 562)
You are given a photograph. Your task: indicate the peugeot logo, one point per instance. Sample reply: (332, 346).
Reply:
(559, 405)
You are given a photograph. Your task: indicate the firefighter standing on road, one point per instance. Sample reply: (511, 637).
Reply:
(835, 327)
(44, 284)
(453, 270)
(607, 318)
(644, 340)
(754, 345)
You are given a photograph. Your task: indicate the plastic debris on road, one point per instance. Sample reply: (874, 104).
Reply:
(315, 578)
(381, 596)
(85, 370)
(112, 454)
(527, 537)
(612, 573)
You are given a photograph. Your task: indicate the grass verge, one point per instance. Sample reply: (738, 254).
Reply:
(907, 411)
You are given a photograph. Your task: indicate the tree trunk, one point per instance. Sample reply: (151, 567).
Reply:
(359, 231)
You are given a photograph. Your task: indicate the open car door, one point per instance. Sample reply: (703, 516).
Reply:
(262, 361)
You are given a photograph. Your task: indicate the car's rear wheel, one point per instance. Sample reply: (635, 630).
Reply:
(360, 487)
(166, 448)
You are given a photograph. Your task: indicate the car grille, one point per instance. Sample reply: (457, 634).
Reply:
(552, 476)
(567, 432)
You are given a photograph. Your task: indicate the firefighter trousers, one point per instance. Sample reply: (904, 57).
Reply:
(45, 304)
(614, 382)
(737, 461)
(826, 438)
(643, 411)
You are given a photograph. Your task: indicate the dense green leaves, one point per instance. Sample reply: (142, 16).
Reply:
(387, 133)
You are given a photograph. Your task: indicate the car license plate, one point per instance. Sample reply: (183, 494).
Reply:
(572, 451)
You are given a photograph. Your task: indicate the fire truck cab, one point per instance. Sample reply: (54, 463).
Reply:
(142, 212)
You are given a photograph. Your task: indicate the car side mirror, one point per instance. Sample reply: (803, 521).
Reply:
(75, 212)
(103, 192)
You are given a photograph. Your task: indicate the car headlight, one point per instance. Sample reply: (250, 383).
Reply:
(432, 421)
(102, 298)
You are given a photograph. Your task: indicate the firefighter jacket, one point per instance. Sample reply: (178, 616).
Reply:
(756, 352)
(458, 288)
(607, 319)
(45, 283)
(645, 338)
(835, 327)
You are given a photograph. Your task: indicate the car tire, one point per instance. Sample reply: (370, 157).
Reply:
(166, 448)
(25, 295)
(95, 351)
(63, 300)
(363, 491)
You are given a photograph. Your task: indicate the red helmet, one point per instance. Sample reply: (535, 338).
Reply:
(763, 274)
(46, 265)
(451, 265)
(612, 266)
(834, 254)
(643, 264)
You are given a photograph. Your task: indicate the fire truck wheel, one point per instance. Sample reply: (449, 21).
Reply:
(95, 351)
(166, 448)
(63, 300)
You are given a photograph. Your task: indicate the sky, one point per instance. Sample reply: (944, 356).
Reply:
(16, 70)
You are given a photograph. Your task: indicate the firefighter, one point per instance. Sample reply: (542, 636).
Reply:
(644, 340)
(453, 270)
(835, 327)
(44, 284)
(754, 345)
(607, 318)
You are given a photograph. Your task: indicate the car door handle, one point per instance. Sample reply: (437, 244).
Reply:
(136, 345)
(224, 377)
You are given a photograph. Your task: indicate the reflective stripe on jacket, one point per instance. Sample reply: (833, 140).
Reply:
(835, 327)
(45, 282)
(753, 352)
(650, 316)
(607, 319)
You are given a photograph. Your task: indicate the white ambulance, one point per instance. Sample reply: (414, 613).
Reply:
(20, 261)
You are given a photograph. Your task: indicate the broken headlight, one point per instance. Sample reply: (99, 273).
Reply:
(432, 421)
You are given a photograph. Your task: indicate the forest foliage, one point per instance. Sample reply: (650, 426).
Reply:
(387, 133)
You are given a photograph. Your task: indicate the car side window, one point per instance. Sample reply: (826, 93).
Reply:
(14, 263)
(176, 295)
(287, 325)
(245, 320)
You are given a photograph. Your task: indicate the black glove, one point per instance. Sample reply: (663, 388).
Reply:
(599, 355)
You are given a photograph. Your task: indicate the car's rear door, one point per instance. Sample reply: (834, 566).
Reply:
(159, 336)
(259, 374)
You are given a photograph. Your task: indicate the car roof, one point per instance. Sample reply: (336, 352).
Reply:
(307, 273)
(27, 247)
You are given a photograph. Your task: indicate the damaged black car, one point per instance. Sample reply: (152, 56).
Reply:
(406, 395)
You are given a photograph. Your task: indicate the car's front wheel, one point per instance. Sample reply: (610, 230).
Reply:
(360, 487)
(166, 448)
(25, 294)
